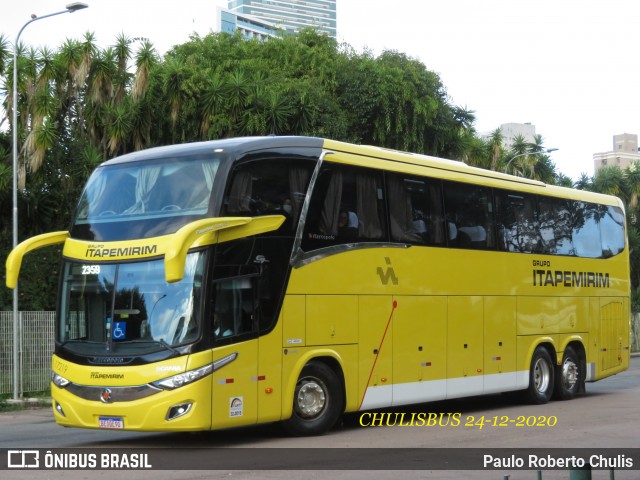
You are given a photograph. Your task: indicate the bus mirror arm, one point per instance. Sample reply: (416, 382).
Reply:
(14, 260)
(181, 241)
(195, 233)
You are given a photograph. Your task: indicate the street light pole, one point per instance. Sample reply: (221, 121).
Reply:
(547, 150)
(72, 7)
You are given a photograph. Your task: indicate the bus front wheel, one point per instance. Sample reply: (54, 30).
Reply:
(541, 377)
(569, 375)
(317, 402)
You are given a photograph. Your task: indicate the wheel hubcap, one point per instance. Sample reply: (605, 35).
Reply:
(311, 399)
(541, 376)
(570, 373)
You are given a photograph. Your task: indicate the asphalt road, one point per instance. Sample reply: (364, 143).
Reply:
(607, 416)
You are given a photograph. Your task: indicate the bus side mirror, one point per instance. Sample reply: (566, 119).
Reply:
(14, 260)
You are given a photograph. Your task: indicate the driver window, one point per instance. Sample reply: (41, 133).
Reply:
(268, 187)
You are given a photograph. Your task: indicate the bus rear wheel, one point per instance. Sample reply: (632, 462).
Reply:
(541, 377)
(569, 375)
(317, 402)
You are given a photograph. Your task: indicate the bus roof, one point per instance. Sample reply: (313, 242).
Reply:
(239, 145)
(474, 174)
(242, 145)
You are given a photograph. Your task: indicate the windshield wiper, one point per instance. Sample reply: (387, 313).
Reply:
(167, 346)
(154, 341)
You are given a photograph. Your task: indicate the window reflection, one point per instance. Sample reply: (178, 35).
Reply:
(168, 187)
(129, 305)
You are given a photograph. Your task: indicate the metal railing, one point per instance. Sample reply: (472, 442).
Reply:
(36, 343)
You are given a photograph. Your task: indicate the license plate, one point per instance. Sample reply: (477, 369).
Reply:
(111, 422)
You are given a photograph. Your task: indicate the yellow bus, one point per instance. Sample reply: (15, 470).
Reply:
(233, 282)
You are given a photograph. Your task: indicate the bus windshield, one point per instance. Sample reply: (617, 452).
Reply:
(150, 189)
(129, 308)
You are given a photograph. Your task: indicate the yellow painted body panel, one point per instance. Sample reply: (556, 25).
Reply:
(419, 333)
(548, 315)
(499, 335)
(331, 319)
(235, 387)
(146, 414)
(14, 260)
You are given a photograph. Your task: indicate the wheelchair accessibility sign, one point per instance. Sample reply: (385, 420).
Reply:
(119, 331)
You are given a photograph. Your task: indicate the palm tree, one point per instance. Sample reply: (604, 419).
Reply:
(118, 127)
(89, 51)
(278, 111)
(100, 89)
(516, 163)
(632, 180)
(237, 88)
(213, 102)
(122, 55)
(609, 180)
(584, 182)
(496, 151)
(69, 58)
(543, 169)
(5, 53)
(175, 76)
(146, 59)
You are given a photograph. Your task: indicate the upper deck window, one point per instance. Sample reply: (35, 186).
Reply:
(136, 190)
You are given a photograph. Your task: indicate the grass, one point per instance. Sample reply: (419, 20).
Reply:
(31, 400)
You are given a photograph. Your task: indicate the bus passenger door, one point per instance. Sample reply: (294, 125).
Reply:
(376, 351)
(235, 384)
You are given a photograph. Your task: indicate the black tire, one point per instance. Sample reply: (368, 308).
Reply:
(569, 375)
(318, 401)
(541, 378)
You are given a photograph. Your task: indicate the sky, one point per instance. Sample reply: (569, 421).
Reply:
(565, 66)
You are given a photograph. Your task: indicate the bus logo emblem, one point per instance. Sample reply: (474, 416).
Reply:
(388, 274)
(105, 395)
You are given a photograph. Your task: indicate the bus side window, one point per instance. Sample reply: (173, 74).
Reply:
(585, 233)
(347, 206)
(612, 231)
(556, 226)
(268, 187)
(469, 215)
(415, 210)
(518, 229)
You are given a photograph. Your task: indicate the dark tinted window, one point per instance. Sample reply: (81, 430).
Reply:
(469, 216)
(612, 231)
(556, 226)
(347, 206)
(268, 187)
(516, 217)
(415, 210)
(585, 233)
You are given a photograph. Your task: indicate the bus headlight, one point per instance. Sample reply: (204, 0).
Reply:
(59, 381)
(184, 378)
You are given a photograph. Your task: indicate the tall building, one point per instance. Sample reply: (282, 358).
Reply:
(251, 27)
(624, 153)
(291, 15)
(512, 130)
